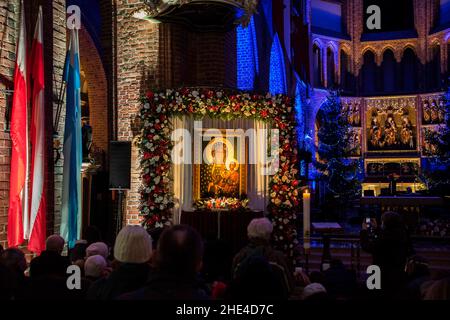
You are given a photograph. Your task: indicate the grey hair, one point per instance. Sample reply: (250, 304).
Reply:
(260, 228)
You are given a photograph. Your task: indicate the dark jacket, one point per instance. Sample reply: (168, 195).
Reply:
(274, 258)
(49, 263)
(127, 277)
(390, 250)
(164, 286)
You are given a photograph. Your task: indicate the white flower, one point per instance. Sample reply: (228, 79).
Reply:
(147, 106)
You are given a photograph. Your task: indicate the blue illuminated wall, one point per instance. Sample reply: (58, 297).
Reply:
(444, 12)
(277, 72)
(326, 15)
(247, 56)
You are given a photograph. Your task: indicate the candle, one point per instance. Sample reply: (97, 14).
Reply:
(306, 220)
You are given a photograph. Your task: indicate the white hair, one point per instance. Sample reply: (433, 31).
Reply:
(95, 266)
(133, 245)
(260, 228)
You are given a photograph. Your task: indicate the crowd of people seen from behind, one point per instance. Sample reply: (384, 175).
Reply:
(177, 264)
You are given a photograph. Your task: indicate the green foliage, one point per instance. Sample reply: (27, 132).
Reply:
(438, 177)
(337, 170)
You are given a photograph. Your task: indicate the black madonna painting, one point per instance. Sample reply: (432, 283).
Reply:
(221, 174)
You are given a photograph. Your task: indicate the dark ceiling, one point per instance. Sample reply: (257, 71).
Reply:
(201, 17)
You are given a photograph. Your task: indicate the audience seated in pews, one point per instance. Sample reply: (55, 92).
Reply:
(176, 269)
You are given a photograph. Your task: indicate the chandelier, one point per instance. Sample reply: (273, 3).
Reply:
(153, 9)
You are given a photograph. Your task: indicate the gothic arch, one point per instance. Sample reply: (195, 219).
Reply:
(368, 72)
(97, 88)
(409, 66)
(388, 69)
(375, 53)
(277, 73)
(331, 65)
(317, 65)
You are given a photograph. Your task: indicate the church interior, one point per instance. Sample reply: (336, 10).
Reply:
(213, 113)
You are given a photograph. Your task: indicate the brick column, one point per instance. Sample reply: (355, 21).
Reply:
(57, 35)
(137, 70)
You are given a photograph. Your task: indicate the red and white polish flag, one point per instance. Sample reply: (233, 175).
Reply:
(18, 194)
(38, 201)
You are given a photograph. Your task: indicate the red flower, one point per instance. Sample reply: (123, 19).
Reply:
(150, 95)
(147, 155)
(184, 91)
(264, 113)
(157, 126)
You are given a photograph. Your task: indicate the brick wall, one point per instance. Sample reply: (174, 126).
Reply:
(161, 56)
(92, 66)
(137, 69)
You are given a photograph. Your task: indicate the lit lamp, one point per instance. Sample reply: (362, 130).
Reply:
(144, 14)
(306, 221)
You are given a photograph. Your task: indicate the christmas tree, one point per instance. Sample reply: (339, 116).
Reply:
(336, 145)
(438, 140)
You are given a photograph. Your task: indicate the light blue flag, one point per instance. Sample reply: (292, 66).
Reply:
(71, 192)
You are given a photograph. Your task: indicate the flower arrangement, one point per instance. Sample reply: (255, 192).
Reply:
(222, 203)
(155, 148)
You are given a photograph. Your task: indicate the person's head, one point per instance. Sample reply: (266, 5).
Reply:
(98, 248)
(14, 260)
(180, 251)
(314, 291)
(417, 267)
(55, 243)
(260, 229)
(133, 245)
(438, 290)
(95, 266)
(78, 252)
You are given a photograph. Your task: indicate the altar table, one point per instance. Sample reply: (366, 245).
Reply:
(229, 226)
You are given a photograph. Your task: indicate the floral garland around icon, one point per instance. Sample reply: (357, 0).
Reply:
(155, 146)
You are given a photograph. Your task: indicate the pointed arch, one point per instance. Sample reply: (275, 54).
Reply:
(435, 65)
(388, 67)
(246, 56)
(277, 75)
(317, 66)
(369, 70)
(344, 69)
(331, 78)
(409, 66)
